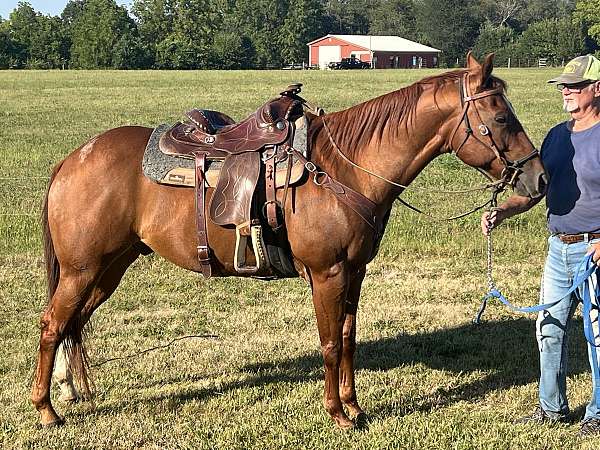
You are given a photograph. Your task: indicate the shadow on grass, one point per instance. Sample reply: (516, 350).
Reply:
(506, 352)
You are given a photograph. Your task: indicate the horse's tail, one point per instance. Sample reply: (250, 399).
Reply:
(52, 265)
(73, 339)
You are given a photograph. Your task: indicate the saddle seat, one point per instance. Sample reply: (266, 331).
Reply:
(217, 134)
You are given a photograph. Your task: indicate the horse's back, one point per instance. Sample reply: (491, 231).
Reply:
(112, 145)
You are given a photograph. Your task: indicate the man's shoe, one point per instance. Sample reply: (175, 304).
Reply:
(540, 416)
(590, 427)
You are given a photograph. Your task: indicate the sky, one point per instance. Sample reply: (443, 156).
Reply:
(48, 7)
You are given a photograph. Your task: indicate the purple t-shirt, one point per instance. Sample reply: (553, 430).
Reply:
(572, 160)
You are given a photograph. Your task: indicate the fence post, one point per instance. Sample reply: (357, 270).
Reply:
(509, 62)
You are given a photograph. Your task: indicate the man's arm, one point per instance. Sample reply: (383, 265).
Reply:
(515, 204)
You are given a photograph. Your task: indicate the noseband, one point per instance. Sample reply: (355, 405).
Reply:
(511, 169)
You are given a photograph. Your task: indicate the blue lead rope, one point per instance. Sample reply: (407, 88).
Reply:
(582, 278)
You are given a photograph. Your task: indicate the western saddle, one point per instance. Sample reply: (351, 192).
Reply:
(261, 140)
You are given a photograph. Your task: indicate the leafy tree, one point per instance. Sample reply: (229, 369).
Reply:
(587, 14)
(155, 23)
(187, 45)
(131, 53)
(556, 39)
(96, 32)
(37, 41)
(499, 40)
(48, 46)
(539, 10)
(230, 50)
(393, 17)
(22, 19)
(260, 21)
(347, 16)
(302, 24)
(450, 25)
(6, 45)
(73, 9)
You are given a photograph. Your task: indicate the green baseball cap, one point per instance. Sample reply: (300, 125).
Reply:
(582, 68)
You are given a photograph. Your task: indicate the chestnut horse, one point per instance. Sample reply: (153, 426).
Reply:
(101, 212)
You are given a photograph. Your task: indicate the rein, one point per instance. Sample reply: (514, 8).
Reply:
(498, 185)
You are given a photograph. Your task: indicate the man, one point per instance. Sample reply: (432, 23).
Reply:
(571, 155)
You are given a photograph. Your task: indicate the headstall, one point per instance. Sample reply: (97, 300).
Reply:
(511, 169)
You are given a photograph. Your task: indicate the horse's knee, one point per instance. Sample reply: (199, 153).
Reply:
(331, 353)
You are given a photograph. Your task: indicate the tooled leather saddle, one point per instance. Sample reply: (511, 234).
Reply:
(249, 151)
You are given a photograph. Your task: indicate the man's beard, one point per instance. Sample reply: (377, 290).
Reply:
(570, 105)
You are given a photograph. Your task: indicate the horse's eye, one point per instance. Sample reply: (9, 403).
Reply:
(501, 119)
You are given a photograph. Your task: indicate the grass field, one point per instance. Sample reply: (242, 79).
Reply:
(426, 376)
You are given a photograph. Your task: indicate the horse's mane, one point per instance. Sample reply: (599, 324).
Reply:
(357, 125)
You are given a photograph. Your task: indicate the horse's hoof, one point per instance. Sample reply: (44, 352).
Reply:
(55, 423)
(362, 421)
(345, 423)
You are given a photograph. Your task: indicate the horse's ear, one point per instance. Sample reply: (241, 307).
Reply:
(486, 69)
(472, 63)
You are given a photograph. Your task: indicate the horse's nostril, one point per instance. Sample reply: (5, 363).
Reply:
(542, 183)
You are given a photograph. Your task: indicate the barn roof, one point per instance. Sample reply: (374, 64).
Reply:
(382, 43)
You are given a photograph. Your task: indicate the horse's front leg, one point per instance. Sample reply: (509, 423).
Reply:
(329, 294)
(347, 386)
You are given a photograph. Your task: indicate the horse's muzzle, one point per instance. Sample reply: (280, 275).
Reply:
(533, 186)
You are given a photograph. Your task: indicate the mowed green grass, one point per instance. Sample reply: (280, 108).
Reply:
(426, 376)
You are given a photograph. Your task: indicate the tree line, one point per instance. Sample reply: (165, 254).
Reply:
(253, 34)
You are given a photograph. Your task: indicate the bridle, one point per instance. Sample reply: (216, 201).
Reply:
(512, 169)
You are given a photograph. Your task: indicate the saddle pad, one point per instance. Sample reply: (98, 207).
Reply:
(175, 171)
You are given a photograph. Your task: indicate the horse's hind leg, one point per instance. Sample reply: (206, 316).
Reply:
(63, 377)
(103, 289)
(72, 292)
(347, 385)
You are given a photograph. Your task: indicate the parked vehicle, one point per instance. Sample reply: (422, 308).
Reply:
(349, 63)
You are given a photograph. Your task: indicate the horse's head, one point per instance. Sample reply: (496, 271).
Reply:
(488, 136)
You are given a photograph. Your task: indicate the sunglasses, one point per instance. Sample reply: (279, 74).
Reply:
(575, 88)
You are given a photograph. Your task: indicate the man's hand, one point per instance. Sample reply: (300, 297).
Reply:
(489, 220)
(595, 249)
(515, 204)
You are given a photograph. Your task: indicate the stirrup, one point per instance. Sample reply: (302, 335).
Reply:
(258, 245)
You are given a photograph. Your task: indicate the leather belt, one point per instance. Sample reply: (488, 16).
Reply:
(573, 238)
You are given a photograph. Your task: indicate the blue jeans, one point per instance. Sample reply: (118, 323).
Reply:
(552, 324)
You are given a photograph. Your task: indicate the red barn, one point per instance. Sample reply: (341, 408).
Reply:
(382, 52)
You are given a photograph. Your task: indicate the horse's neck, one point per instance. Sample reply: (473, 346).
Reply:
(396, 145)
